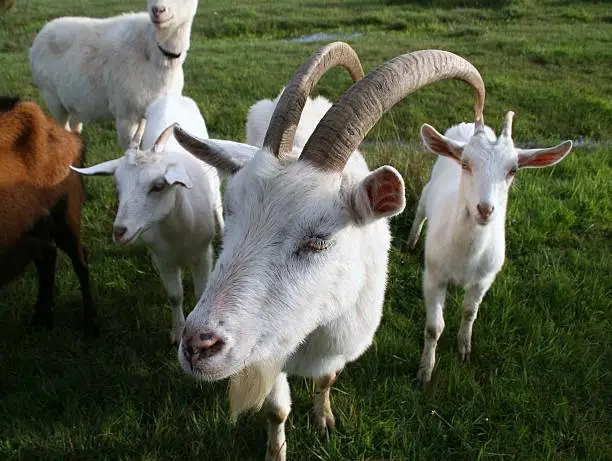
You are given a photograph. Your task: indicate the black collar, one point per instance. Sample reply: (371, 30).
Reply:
(168, 54)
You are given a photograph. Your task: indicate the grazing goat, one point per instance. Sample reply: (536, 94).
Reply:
(91, 69)
(40, 203)
(299, 285)
(168, 200)
(465, 205)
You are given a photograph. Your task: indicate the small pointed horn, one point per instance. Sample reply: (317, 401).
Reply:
(348, 121)
(286, 116)
(137, 138)
(507, 131)
(162, 139)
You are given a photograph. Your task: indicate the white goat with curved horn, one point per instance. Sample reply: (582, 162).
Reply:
(465, 205)
(299, 285)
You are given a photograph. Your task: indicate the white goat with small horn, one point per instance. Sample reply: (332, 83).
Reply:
(465, 204)
(299, 285)
(168, 199)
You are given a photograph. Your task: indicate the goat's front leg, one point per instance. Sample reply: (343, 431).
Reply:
(434, 292)
(324, 416)
(126, 129)
(200, 271)
(277, 408)
(170, 275)
(471, 300)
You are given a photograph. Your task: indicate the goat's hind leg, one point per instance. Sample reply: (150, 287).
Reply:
(67, 235)
(57, 109)
(45, 266)
(471, 301)
(277, 408)
(435, 293)
(419, 220)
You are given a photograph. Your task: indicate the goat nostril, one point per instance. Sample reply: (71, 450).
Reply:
(119, 231)
(209, 344)
(208, 340)
(485, 210)
(157, 10)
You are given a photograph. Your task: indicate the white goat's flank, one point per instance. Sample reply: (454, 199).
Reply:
(465, 204)
(260, 115)
(91, 69)
(177, 224)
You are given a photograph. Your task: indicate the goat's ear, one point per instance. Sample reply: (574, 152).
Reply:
(540, 158)
(440, 144)
(101, 169)
(176, 174)
(227, 156)
(381, 194)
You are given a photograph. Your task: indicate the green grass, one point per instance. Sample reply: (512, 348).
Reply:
(539, 383)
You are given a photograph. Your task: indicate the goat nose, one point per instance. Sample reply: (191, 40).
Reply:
(119, 232)
(201, 346)
(485, 209)
(158, 10)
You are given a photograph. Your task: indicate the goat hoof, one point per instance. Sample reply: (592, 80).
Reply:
(326, 424)
(276, 453)
(423, 378)
(175, 339)
(465, 357)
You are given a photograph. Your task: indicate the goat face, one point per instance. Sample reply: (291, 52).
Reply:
(489, 164)
(292, 256)
(146, 185)
(165, 13)
(147, 195)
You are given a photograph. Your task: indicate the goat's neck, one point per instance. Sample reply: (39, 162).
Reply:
(172, 39)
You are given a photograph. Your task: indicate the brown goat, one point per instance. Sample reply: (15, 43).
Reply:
(40, 203)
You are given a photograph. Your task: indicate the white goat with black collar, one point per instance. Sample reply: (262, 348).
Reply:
(299, 285)
(91, 69)
(465, 204)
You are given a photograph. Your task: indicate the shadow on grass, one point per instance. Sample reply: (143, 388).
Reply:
(63, 397)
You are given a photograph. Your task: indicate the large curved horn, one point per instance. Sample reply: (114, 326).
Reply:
(286, 116)
(348, 121)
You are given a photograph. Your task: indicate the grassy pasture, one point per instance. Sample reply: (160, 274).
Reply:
(539, 383)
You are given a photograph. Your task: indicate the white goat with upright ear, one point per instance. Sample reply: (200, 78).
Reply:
(299, 285)
(168, 200)
(91, 69)
(465, 205)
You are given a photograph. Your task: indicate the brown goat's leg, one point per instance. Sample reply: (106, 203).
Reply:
(71, 245)
(68, 238)
(45, 266)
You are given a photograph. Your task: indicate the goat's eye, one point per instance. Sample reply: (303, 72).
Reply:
(466, 166)
(511, 172)
(158, 186)
(316, 244)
